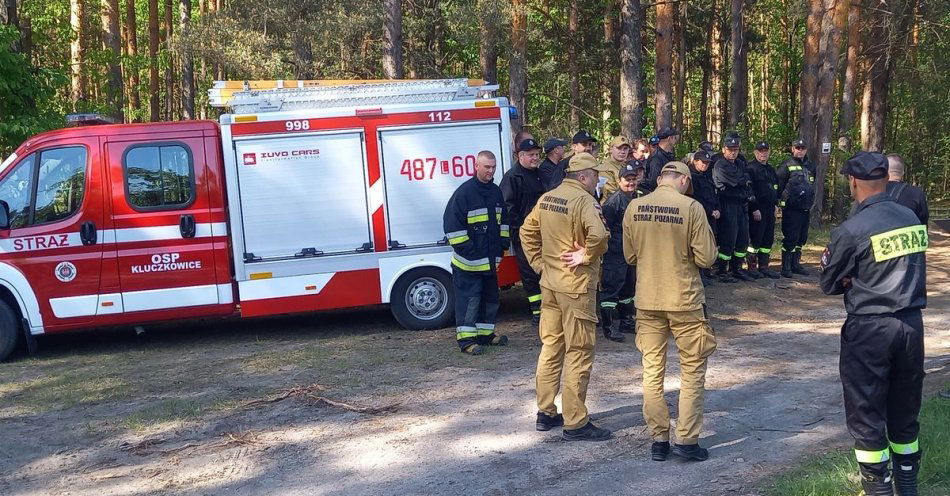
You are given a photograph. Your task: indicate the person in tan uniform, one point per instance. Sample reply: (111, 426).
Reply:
(617, 155)
(564, 238)
(666, 235)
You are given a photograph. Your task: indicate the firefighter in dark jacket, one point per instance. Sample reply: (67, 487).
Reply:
(618, 279)
(521, 187)
(662, 154)
(551, 171)
(796, 181)
(876, 259)
(735, 191)
(905, 194)
(704, 191)
(762, 212)
(476, 226)
(581, 142)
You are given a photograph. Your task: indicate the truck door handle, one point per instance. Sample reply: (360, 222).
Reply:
(187, 226)
(87, 233)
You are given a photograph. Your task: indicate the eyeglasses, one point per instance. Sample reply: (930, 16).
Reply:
(799, 147)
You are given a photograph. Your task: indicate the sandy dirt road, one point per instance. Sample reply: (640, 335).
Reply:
(208, 408)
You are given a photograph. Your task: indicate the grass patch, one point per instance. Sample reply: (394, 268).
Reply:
(836, 473)
(175, 410)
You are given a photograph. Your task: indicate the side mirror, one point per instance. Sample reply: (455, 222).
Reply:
(4, 215)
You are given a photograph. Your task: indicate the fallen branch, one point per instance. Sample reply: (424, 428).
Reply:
(309, 393)
(792, 431)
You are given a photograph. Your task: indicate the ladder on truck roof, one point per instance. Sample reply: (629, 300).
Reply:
(248, 97)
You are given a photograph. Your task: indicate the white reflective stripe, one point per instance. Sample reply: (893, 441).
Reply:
(485, 326)
(376, 195)
(108, 236)
(74, 306)
(23, 244)
(480, 261)
(477, 211)
(498, 210)
(497, 260)
(158, 299)
(282, 287)
(154, 233)
(225, 293)
(110, 304)
(504, 227)
(456, 234)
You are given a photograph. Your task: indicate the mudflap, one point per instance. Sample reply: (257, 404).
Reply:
(29, 338)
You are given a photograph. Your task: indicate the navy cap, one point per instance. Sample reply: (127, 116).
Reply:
(762, 145)
(582, 137)
(703, 155)
(527, 145)
(666, 132)
(866, 165)
(731, 141)
(799, 143)
(552, 144)
(706, 145)
(631, 169)
(654, 140)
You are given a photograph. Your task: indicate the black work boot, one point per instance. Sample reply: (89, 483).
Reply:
(473, 349)
(876, 480)
(628, 323)
(723, 271)
(797, 264)
(705, 275)
(660, 450)
(905, 474)
(718, 268)
(606, 320)
(547, 422)
(589, 432)
(753, 265)
(690, 452)
(536, 319)
(764, 267)
(786, 264)
(498, 340)
(735, 267)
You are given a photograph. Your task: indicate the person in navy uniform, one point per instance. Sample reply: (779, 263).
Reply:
(762, 212)
(876, 259)
(551, 171)
(476, 227)
(619, 279)
(796, 183)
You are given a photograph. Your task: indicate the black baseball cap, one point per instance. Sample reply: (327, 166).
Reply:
(552, 144)
(666, 132)
(631, 169)
(654, 140)
(582, 137)
(703, 155)
(762, 145)
(866, 165)
(731, 141)
(528, 144)
(706, 145)
(799, 143)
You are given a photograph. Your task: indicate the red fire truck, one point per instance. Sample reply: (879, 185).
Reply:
(307, 196)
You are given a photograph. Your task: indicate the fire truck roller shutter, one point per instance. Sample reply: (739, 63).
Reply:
(423, 166)
(302, 192)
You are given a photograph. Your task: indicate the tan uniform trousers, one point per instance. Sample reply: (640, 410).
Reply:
(695, 340)
(568, 330)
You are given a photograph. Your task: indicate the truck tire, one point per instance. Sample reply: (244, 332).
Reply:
(424, 298)
(9, 330)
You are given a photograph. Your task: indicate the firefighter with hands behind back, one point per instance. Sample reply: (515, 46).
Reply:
(666, 236)
(476, 227)
(876, 259)
(564, 238)
(619, 279)
(762, 212)
(521, 187)
(796, 178)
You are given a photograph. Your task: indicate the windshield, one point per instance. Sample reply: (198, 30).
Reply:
(6, 163)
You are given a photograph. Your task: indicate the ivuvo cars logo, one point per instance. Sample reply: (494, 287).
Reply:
(250, 159)
(254, 158)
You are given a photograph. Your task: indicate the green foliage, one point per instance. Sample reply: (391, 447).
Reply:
(836, 474)
(26, 95)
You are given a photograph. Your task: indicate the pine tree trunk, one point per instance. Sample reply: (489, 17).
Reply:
(10, 17)
(610, 93)
(187, 63)
(77, 52)
(488, 22)
(132, 50)
(664, 64)
(877, 80)
(632, 91)
(517, 66)
(392, 40)
(739, 75)
(809, 84)
(681, 65)
(573, 64)
(170, 71)
(153, 86)
(109, 10)
(846, 114)
(715, 76)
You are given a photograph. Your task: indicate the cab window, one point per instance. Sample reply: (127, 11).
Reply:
(45, 187)
(159, 177)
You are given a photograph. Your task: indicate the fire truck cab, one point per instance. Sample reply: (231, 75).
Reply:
(308, 196)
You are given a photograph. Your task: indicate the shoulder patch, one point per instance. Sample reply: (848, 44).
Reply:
(899, 242)
(825, 258)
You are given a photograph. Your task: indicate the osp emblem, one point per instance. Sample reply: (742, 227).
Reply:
(65, 271)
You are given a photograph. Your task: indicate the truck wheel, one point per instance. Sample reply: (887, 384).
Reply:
(424, 299)
(9, 330)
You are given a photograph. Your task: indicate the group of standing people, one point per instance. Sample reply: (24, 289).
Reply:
(625, 241)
